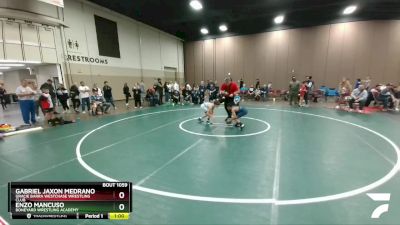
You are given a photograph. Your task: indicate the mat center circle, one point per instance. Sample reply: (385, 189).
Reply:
(210, 131)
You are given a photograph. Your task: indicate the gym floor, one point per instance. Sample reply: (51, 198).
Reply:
(287, 166)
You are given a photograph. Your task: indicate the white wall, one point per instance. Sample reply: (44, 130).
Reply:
(11, 81)
(141, 46)
(45, 72)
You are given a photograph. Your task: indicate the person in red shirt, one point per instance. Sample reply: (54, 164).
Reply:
(229, 90)
(303, 93)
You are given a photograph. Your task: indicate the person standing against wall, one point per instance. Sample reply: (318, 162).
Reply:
(159, 89)
(294, 87)
(229, 90)
(26, 98)
(127, 94)
(3, 97)
(62, 95)
(84, 95)
(49, 86)
(142, 91)
(74, 95)
(137, 96)
(107, 90)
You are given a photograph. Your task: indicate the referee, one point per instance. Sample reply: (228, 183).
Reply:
(229, 90)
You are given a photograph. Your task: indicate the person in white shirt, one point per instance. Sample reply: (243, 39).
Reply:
(84, 95)
(26, 99)
(208, 109)
(358, 95)
(176, 86)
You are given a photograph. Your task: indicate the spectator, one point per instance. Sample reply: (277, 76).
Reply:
(310, 89)
(269, 86)
(384, 96)
(159, 90)
(344, 90)
(167, 91)
(26, 98)
(98, 105)
(142, 91)
(358, 83)
(202, 90)
(303, 93)
(3, 97)
(107, 90)
(37, 102)
(175, 86)
(46, 104)
(127, 94)
(99, 92)
(241, 82)
(216, 88)
(62, 95)
(250, 92)
(264, 92)
(243, 90)
(358, 95)
(152, 96)
(257, 85)
(186, 93)
(196, 94)
(294, 87)
(213, 92)
(395, 91)
(84, 95)
(367, 83)
(49, 86)
(74, 95)
(137, 95)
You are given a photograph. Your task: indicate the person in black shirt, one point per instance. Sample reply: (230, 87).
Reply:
(257, 86)
(202, 91)
(107, 92)
(159, 89)
(62, 95)
(74, 94)
(127, 94)
(49, 86)
(136, 95)
(2, 97)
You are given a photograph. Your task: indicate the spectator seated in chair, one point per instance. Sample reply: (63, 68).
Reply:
(98, 105)
(250, 92)
(257, 94)
(176, 97)
(359, 96)
(243, 90)
(151, 96)
(395, 95)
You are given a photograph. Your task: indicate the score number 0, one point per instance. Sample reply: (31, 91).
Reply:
(121, 195)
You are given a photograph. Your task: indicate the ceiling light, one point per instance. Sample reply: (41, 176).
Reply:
(1, 73)
(204, 30)
(279, 19)
(4, 67)
(196, 5)
(223, 28)
(12, 65)
(349, 9)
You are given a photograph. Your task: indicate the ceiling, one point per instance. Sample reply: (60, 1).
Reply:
(246, 16)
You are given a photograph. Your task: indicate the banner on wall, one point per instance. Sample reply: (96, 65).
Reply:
(59, 3)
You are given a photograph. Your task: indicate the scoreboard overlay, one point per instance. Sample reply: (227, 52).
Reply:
(70, 200)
